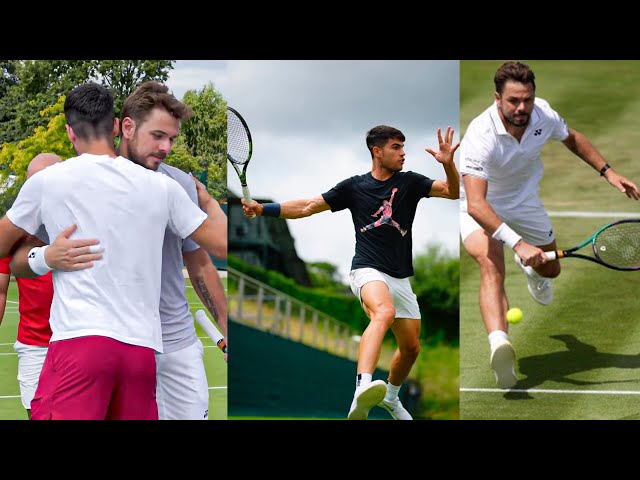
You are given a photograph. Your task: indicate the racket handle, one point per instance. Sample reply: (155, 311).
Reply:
(552, 255)
(247, 196)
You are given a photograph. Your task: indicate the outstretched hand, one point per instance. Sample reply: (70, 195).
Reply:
(446, 152)
(623, 184)
(70, 255)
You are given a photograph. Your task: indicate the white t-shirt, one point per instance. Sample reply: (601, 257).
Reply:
(127, 208)
(512, 169)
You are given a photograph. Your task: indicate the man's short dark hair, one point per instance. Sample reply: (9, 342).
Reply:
(380, 135)
(89, 111)
(514, 72)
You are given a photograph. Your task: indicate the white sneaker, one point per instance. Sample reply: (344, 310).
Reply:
(503, 362)
(539, 287)
(395, 409)
(365, 398)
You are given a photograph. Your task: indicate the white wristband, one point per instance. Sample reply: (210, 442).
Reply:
(506, 235)
(37, 263)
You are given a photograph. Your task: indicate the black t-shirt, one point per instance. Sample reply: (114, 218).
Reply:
(383, 214)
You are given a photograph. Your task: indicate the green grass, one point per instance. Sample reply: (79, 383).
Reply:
(11, 408)
(438, 368)
(589, 337)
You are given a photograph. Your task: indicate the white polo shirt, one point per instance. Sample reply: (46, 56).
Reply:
(512, 169)
(128, 208)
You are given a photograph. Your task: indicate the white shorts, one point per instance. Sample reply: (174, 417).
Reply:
(30, 361)
(182, 390)
(404, 300)
(534, 227)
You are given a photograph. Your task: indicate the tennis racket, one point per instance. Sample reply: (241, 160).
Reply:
(615, 246)
(211, 330)
(239, 148)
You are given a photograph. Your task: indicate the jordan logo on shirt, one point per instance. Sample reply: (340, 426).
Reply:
(386, 211)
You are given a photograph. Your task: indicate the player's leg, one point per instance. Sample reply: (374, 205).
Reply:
(30, 361)
(489, 255)
(77, 380)
(535, 227)
(182, 390)
(369, 286)
(406, 329)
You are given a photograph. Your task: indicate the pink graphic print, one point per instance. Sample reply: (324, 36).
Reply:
(387, 212)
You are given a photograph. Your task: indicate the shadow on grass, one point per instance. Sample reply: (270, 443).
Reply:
(558, 366)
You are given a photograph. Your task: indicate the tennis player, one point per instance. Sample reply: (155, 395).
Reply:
(382, 263)
(501, 169)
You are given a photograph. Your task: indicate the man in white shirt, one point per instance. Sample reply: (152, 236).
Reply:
(147, 133)
(501, 169)
(105, 320)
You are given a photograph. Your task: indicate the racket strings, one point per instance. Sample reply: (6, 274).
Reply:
(619, 245)
(238, 146)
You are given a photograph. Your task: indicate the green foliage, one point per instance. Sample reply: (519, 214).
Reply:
(33, 85)
(204, 137)
(437, 285)
(345, 308)
(325, 275)
(15, 158)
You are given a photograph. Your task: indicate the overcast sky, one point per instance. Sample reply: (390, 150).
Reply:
(309, 119)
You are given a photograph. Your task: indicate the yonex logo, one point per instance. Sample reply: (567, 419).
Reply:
(550, 232)
(32, 255)
(537, 132)
(206, 413)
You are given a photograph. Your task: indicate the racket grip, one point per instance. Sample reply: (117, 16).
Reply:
(247, 196)
(551, 255)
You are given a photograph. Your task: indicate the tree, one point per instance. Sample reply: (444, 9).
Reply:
(39, 83)
(15, 158)
(326, 275)
(204, 137)
(436, 283)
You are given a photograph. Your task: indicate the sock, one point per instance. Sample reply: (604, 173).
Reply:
(495, 337)
(363, 379)
(392, 392)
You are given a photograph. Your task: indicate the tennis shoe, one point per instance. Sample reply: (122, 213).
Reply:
(539, 287)
(395, 409)
(365, 398)
(503, 363)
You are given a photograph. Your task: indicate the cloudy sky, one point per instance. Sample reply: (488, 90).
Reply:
(308, 120)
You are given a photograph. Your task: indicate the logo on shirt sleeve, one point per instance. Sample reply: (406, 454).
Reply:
(473, 164)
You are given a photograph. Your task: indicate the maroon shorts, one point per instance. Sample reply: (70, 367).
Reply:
(96, 378)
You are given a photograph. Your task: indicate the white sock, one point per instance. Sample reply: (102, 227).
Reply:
(392, 392)
(495, 337)
(363, 379)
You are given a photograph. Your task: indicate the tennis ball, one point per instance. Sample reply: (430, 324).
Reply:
(514, 315)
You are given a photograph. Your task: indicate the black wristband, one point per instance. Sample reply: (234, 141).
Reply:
(604, 169)
(271, 210)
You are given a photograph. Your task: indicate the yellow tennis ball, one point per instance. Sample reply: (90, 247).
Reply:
(514, 315)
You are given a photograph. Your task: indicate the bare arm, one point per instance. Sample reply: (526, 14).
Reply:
(583, 148)
(451, 187)
(4, 288)
(206, 282)
(483, 213)
(210, 236)
(291, 209)
(10, 236)
(63, 254)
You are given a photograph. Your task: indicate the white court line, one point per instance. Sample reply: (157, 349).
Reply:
(574, 214)
(540, 390)
(218, 388)
(11, 301)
